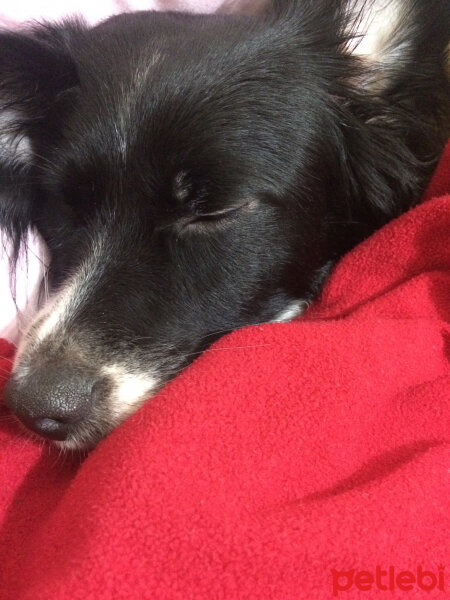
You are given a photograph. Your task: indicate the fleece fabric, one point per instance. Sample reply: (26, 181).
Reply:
(308, 460)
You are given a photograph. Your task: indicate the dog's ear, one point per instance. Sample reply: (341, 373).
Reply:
(396, 113)
(36, 69)
(395, 37)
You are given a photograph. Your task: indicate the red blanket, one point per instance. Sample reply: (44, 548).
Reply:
(308, 460)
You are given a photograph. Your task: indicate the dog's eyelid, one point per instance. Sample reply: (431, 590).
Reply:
(248, 206)
(222, 216)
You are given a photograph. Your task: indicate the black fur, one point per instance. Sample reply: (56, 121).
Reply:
(226, 163)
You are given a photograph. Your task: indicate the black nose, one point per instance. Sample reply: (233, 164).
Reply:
(52, 401)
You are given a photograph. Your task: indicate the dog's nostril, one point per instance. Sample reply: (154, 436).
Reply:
(55, 400)
(50, 428)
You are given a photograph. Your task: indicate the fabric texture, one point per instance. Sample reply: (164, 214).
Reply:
(308, 460)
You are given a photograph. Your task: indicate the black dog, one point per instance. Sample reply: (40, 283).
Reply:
(196, 174)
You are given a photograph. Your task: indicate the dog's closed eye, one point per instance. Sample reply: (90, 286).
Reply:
(208, 222)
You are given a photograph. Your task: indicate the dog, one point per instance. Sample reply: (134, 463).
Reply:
(195, 174)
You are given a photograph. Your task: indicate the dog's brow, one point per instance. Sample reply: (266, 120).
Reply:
(14, 146)
(181, 186)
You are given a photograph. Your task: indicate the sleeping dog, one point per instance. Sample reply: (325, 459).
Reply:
(191, 175)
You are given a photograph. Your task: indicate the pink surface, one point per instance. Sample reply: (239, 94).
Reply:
(18, 298)
(13, 14)
(16, 12)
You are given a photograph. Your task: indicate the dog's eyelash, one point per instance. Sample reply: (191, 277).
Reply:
(217, 216)
(204, 222)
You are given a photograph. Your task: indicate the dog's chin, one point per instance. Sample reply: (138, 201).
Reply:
(85, 435)
(84, 439)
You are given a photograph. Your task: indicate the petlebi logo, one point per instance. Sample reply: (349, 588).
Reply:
(388, 579)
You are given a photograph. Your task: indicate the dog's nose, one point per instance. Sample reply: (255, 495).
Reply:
(51, 401)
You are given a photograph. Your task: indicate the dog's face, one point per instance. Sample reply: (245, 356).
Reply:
(190, 176)
(165, 178)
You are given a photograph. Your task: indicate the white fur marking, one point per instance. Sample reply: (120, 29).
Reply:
(125, 114)
(56, 312)
(378, 22)
(293, 310)
(131, 389)
(59, 309)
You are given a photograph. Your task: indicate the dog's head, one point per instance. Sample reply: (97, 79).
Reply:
(178, 169)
